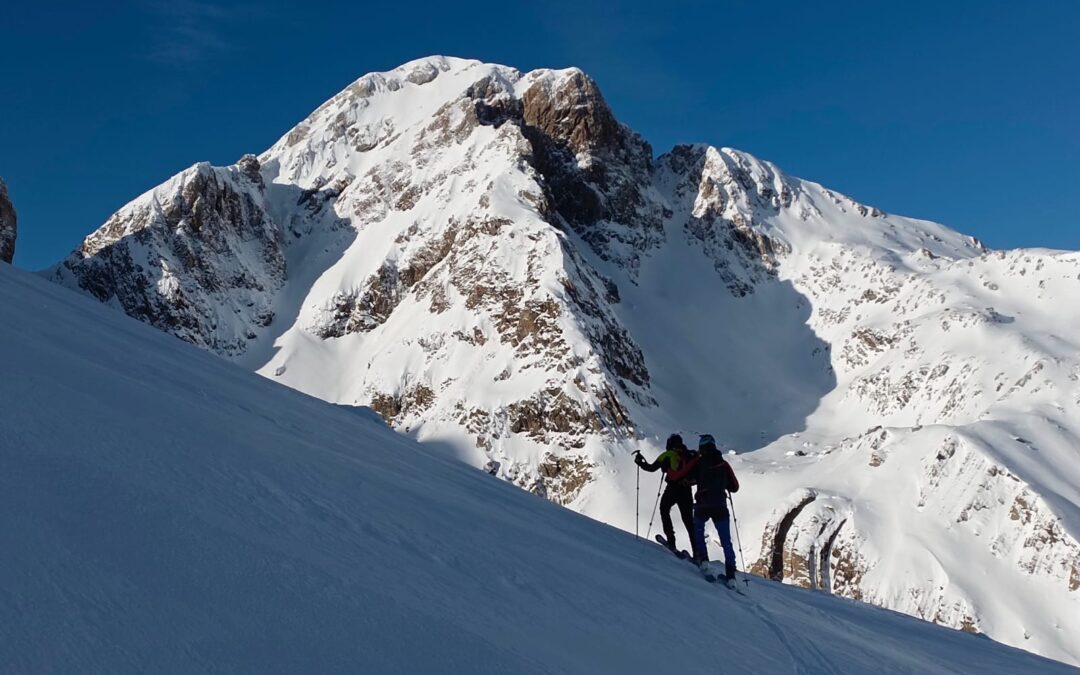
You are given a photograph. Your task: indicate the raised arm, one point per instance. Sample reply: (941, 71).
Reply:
(648, 466)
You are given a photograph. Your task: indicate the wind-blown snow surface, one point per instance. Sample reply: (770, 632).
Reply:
(492, 261)
(164, 511)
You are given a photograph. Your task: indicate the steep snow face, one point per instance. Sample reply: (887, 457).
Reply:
(948, 447)
(494, 263)
(8, 230)
(162, 510)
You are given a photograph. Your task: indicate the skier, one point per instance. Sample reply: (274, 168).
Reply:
(714, 478)
(676, 462)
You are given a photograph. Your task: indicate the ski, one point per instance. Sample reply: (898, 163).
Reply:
(709, 572)
(740, 588)
(714, 577)
(678, 553)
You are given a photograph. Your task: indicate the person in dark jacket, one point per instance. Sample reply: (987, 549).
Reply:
(676, 462)
(715, 479)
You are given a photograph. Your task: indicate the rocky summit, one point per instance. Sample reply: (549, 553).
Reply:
(496, 264)
(8, 229)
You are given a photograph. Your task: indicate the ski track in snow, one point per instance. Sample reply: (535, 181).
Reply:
(806, 658)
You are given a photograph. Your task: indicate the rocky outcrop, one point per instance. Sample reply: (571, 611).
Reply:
(8, 225)
(201, 258)
(818, 540)
(722, 197)
(596, 171)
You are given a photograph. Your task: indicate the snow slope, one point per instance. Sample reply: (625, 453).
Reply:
(162, 510)
(495, 264)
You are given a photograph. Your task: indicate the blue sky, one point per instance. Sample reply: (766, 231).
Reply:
(967, 113)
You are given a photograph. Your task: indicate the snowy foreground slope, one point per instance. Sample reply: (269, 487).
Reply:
(164, 511)
(497, 265)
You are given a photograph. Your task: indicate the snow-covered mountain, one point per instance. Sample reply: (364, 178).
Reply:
(8, 224)
(495, 264)
(164, 511)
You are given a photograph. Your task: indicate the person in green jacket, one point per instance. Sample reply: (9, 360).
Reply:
(676, 462)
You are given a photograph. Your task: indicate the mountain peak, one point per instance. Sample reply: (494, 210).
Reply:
(491, 260)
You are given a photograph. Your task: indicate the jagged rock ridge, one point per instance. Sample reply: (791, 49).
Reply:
(491, 260)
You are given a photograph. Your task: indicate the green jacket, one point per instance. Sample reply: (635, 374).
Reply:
(675, 465)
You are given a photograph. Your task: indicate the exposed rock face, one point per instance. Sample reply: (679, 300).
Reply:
(597, 170)
(199, 257)
(490, 259)
(721, 196)
(818, 540)
(8, 229)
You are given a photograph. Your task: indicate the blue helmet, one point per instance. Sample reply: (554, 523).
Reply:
(706, 441)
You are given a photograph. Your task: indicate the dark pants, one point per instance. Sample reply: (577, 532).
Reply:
(680, 495)
(719, 517)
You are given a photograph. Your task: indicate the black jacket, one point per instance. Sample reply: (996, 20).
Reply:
(714, 478)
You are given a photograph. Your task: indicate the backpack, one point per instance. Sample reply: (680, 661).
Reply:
(687, 462)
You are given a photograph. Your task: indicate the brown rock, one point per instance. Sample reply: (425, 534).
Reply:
(575, 114)
(208, 238)
(8, 229)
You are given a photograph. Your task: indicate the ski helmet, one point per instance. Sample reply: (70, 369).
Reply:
(675, 442)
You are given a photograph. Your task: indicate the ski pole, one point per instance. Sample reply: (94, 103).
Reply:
(653, 516)
(738, 539)
(637, 504)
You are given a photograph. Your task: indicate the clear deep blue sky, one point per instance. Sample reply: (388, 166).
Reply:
(967, 113)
